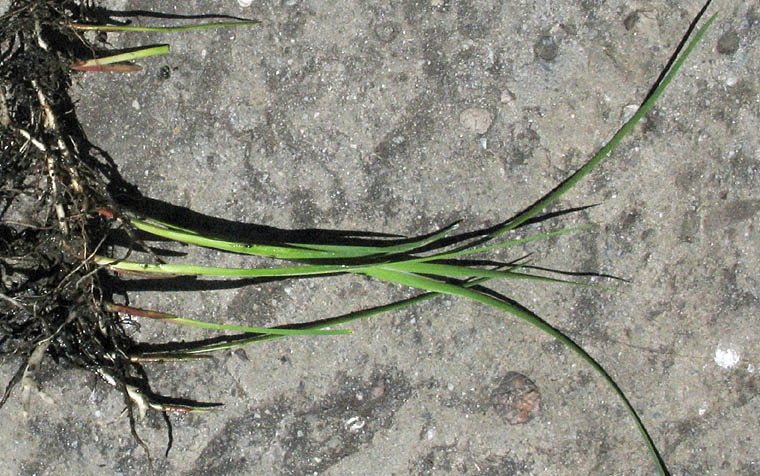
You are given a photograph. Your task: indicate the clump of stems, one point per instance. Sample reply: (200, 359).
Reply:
(436, 264)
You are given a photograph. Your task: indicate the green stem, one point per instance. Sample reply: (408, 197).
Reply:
(195, 270)
(163, 316)
(517, 310)
(320, 324)
(569, 182)
(287, 251)
(130, 56)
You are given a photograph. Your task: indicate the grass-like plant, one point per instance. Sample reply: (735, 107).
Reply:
(435, 264)
(73, 317)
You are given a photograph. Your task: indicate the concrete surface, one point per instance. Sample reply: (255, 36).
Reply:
(401, 117)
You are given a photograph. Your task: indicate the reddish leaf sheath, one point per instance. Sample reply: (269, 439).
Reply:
(109, 68)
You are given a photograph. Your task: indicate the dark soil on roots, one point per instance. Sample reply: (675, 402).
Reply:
(54, 186)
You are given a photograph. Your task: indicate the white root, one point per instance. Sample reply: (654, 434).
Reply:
(40, 41)
(5, 116)
(50, 123)
(26, 135)
(140, 400)
(28, 381)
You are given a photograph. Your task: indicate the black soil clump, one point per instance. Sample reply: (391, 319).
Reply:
(55, 207)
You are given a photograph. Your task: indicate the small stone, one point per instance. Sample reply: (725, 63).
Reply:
(506, 96)
(516, 398)
(728, 42)
(731, 81)
(546, 48)
(355, 424)
(475, 119)
(385, 31)
(726, 358)
(630, 21)
(245, 3)
(628, 112)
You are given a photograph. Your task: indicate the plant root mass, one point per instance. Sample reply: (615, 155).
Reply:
(53, 182)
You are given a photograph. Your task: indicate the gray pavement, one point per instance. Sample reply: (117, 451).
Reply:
(402, 117)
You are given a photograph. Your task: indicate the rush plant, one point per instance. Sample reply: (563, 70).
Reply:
(440, 263)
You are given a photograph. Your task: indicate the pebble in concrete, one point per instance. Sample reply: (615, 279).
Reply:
(475, 119)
